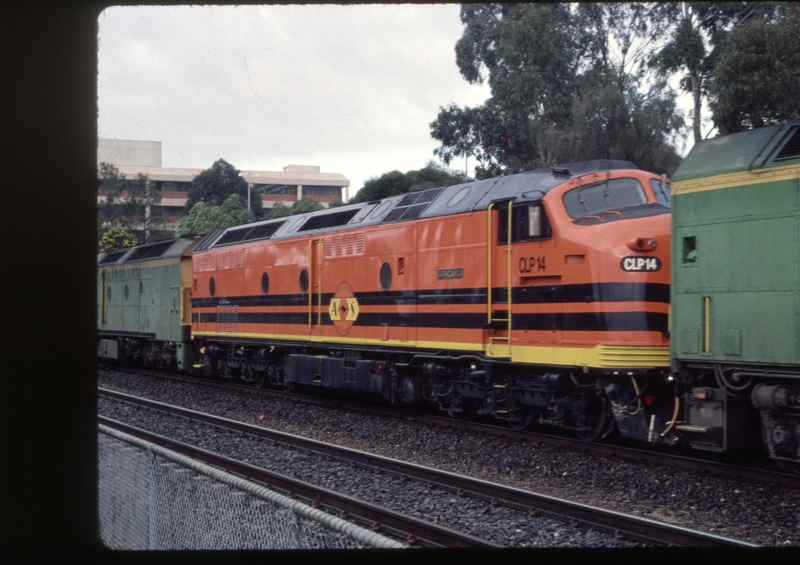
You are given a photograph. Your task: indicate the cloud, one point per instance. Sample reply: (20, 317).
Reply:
(350, 88)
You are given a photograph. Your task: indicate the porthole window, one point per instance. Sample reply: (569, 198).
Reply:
(380, 210)
(386, 276)
(212, 286)
(265, 283)
(304, 281)
(108, 294)
(294, 224)
(458, 197)
(126, 293)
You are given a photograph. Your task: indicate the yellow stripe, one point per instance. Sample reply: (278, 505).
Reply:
(787, 172)
(598, 357)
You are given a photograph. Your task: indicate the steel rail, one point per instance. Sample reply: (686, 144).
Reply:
(701, 464)
(609, 521)
(380, 519)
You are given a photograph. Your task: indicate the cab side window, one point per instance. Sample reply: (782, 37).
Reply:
(529, 222)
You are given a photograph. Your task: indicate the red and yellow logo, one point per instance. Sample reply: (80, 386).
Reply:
(343, 309)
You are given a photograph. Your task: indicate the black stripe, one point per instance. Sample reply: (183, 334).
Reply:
(572, 293)
(594, 322)
(555, 294)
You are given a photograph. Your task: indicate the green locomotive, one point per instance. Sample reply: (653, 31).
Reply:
(735, 292)
(144, 304)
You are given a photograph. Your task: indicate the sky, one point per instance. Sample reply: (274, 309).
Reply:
(352, 89)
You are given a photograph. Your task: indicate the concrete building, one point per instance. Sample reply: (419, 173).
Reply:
(294, 183)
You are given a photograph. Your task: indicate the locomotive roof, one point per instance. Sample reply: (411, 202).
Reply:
(761, 148)
(442, 201)
(167, 249)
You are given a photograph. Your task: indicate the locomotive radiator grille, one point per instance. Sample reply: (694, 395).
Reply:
(631, 356)
(343, 246)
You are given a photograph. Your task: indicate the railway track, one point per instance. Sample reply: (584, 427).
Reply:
(381, 519)
(615, 524)
(760, 471)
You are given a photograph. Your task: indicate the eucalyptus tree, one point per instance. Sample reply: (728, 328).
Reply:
(550, 68)
(756, 79)
(696, 33)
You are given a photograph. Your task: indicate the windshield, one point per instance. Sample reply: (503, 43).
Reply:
(610, 195)
(661, 188)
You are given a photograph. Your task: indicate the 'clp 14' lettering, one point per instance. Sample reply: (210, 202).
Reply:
(639, 264)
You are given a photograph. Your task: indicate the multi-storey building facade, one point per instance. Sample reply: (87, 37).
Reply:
(294, 183)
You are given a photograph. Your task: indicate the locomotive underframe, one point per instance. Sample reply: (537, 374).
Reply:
(588, 403)
(725, 406)
(142, 350)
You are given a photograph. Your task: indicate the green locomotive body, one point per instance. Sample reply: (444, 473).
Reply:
(735, 292)
(144, 304)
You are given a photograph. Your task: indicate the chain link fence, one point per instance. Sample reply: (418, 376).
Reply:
(153, 498)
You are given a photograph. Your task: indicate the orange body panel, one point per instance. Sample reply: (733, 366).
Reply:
(567, 290)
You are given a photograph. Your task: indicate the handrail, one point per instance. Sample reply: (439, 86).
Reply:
(320, 252)
(510, 225)
(489, 271)
(311, 283)
(104, 307)
(489, 265)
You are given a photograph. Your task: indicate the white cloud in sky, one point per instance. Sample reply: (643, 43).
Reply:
(352, 89)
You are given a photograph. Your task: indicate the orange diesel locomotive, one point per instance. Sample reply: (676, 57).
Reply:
(536, 297)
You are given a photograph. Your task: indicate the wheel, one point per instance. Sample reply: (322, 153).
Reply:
(247, 374)
(522, 419)
(260, 378)
(600, 419)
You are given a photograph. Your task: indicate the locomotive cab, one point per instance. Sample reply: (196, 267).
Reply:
(580, 277)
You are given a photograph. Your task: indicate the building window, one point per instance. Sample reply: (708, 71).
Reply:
(169, 186)
(322, 191)
(276, 189)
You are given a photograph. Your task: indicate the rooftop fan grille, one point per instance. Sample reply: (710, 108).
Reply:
(790, 149)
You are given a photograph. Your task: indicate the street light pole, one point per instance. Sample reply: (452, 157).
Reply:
(248, 195)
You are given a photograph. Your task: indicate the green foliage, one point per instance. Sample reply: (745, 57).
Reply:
(756, 81)
(117, 237)
(568, 82)
(203, 218)
(610, 125)
(395, 182)
(499, 145)
(128, 203)
(279, 210)
(697, 29)
(214, 185)
(306, 205)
